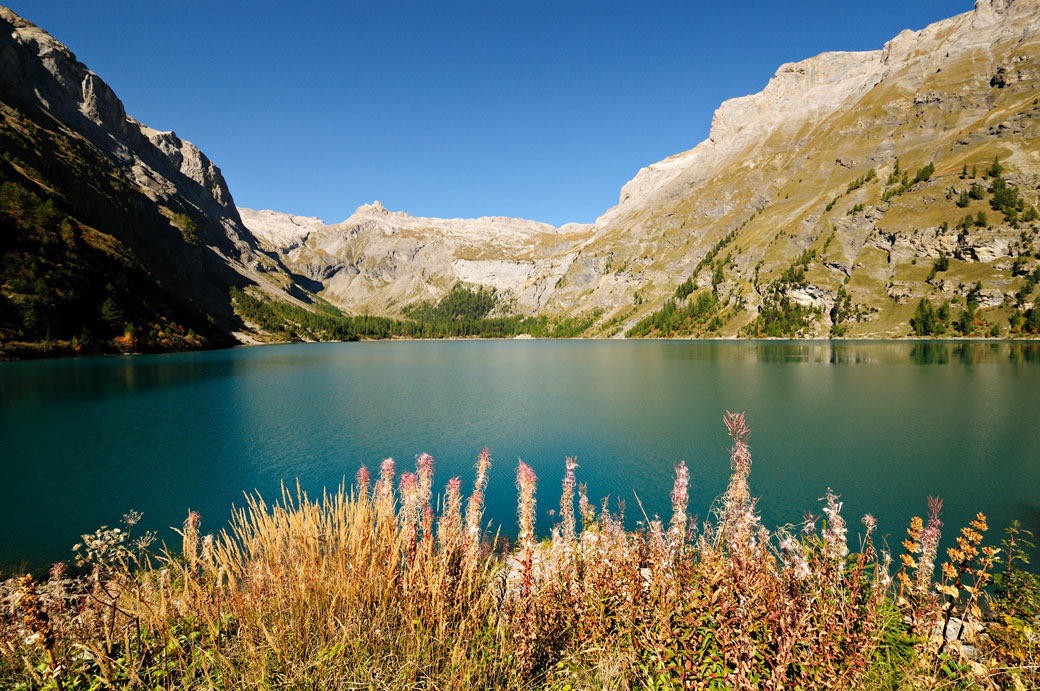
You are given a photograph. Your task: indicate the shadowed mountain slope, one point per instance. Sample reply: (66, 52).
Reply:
(108, 228)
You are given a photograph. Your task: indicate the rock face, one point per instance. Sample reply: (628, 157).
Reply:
(378, 259)
(56, 104)
(782, 179)
(277, 230)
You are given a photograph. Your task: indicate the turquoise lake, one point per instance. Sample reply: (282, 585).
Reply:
(884, 424)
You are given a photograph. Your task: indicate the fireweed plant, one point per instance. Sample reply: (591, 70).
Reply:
(385, 585)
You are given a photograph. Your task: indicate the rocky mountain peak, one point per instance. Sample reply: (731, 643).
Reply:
(806, 92)
(376, 207)
(998, 7)
(15, 20)
(35, 61)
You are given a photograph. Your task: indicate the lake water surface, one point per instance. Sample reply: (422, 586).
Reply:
(883, 424)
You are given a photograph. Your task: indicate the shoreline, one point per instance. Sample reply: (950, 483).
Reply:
(57, 351)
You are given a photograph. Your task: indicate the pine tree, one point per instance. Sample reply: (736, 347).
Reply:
(111, 314)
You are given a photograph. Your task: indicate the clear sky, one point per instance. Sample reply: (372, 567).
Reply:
(534, 109)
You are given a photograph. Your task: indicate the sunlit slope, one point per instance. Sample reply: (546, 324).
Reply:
(819, 205)
(783, 192)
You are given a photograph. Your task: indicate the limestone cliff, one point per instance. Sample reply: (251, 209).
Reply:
(377, 260)
(125, 190)
(797, 195)
(783, 173)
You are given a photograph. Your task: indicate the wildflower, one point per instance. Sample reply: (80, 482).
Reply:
(190, 538)
(794, 558)
(868, 546)
(809, 526)
(450, 525)
(36, 621)
(834, 535)
(384, 493)
(656, 541)
(385, 484)
(737, 510)
(386, 469)
(567, 501)
(885, 576)
(680, 500)
(145, 541)
(588, 512)
(363, 478)
(740, 454)
(424, 472)
(408, 487)
(929, 542)
(526, 482)
(475, 510)
(207, 549)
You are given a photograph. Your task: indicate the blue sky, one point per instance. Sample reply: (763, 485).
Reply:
(539, 110)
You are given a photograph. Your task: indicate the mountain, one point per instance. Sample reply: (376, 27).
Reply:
(872, 194)
(113, 235)
(378, 259)
(820, 205)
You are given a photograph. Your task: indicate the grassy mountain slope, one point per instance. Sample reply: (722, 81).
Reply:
(818, 206)
(803, 220)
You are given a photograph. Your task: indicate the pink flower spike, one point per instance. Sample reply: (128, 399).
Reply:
(526, 482)
(737, 427)
(424, 464)
(525, 475)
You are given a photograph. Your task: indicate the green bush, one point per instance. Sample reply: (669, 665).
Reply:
(941, 264)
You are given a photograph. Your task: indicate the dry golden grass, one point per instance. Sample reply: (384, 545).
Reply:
(385, 587)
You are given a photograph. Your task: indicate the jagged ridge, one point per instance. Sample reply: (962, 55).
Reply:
(759, 191)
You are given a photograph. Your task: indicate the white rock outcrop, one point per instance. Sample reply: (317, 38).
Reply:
(379, 259)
